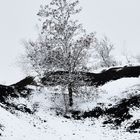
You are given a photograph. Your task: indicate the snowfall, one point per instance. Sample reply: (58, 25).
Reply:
(44, 124)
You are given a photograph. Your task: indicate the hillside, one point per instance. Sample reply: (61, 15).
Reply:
(47, 121)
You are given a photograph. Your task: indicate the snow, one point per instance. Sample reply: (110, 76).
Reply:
(116, 89)
(120, 85)
(44, 124)
(57, 128)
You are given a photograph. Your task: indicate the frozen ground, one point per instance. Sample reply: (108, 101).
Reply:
(44, 124)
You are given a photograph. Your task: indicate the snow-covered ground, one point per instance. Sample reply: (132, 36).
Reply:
(45, 125)
(57, 128)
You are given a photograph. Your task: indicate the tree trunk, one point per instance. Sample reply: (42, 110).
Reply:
(70, 94)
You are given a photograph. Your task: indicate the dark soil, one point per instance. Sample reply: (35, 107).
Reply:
(134, 126)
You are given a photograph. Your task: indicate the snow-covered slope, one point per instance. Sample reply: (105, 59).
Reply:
(45, 124)
(56, 128)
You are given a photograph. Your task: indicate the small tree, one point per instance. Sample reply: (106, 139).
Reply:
(104, 49)
(138, 58)
(62, 43)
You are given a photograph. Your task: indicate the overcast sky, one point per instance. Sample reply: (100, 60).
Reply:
(117, 19)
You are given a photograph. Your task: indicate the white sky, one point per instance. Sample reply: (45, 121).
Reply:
(118, 19)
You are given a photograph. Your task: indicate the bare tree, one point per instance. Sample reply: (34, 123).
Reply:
(104, 48)
(138, 58)
(62, 44)
(127, 56)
